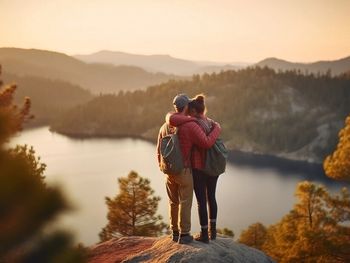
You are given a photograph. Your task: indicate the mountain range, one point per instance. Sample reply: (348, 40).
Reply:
(95, 77)
(335, 67)
(256, 104)
(170, 65)
(158, 63)
(111, 72)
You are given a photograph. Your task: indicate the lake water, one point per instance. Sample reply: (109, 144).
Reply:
(87, 171)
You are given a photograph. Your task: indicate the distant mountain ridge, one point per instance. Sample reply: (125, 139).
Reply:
(153, 63)
(109, 71)
(156, 63)
(171, 65)
(94, 77)
(335, 66)
(49, 98)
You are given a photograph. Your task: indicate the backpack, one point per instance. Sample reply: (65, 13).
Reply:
(215, 162)
(171, 161)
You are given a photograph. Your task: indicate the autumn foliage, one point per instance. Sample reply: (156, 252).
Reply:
(254, 236)
(337, 165)
(315, 230)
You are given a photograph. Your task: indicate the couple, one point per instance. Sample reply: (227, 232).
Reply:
(196, 133)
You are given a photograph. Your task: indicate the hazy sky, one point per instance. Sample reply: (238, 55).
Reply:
(218, 30)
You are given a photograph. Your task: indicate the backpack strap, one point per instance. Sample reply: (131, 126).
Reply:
(168, 130)
(205, 125)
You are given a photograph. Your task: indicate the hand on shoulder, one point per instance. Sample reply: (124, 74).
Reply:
(216, 124)
(176, 119)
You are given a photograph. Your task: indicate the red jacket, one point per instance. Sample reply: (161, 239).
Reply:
(199, 154)
(190, 135)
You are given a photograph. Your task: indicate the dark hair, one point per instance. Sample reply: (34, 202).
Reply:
(180, 109)
(197, 104)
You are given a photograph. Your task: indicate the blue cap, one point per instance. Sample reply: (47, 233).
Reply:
(181, 100)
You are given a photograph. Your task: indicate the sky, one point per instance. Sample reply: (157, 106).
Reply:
(215, 30)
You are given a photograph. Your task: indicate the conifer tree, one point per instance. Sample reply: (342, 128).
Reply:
(337, 165)
(254, 236)
(133, 211)
(314, 230)
(27, 204)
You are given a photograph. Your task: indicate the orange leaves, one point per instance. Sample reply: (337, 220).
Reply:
(337, 165)
(313, 231)
(12, 118)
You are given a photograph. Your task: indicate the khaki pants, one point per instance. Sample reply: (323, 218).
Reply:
(180, 192)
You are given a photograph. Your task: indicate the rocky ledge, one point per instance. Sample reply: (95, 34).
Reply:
(148, 249)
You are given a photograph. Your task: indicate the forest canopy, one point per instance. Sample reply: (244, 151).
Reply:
(259, 109)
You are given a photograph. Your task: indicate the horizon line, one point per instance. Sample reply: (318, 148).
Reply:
(175, 57)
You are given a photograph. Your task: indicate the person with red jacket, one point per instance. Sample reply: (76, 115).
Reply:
(204, 185)
(180, 187)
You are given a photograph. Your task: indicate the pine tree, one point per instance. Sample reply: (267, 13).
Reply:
(309, 214)
(27, 204)
(254, 236)
(314, 230)
(133, 211)
(337, 165)
(11, 117)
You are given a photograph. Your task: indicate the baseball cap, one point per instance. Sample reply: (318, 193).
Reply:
(181, 100)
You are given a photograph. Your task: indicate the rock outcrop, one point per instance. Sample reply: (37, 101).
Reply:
(146, 249)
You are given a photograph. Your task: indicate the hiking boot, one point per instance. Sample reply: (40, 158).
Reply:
(212, 234)
(185, 239)
(203, 236)
(175, 236)
(212, 230)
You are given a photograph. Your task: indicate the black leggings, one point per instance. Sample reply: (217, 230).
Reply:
(204, 188)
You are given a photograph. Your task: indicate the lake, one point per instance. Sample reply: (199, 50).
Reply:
(87, 171)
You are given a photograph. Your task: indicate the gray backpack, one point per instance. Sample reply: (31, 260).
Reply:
(171, 161)
(215, 163)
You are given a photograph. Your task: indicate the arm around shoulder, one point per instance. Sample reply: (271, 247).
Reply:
(201, 139)
(176, 119)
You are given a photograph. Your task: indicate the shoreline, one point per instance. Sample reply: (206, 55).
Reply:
(305, 170)
(243, 156)
(101, 136)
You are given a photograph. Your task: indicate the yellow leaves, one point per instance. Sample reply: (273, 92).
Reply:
(254, 236)
(314, 231)
(337, 165)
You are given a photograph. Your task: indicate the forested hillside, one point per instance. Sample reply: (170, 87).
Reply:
(335, 67)
(50, 98)
(94, 77)
(286, 114)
